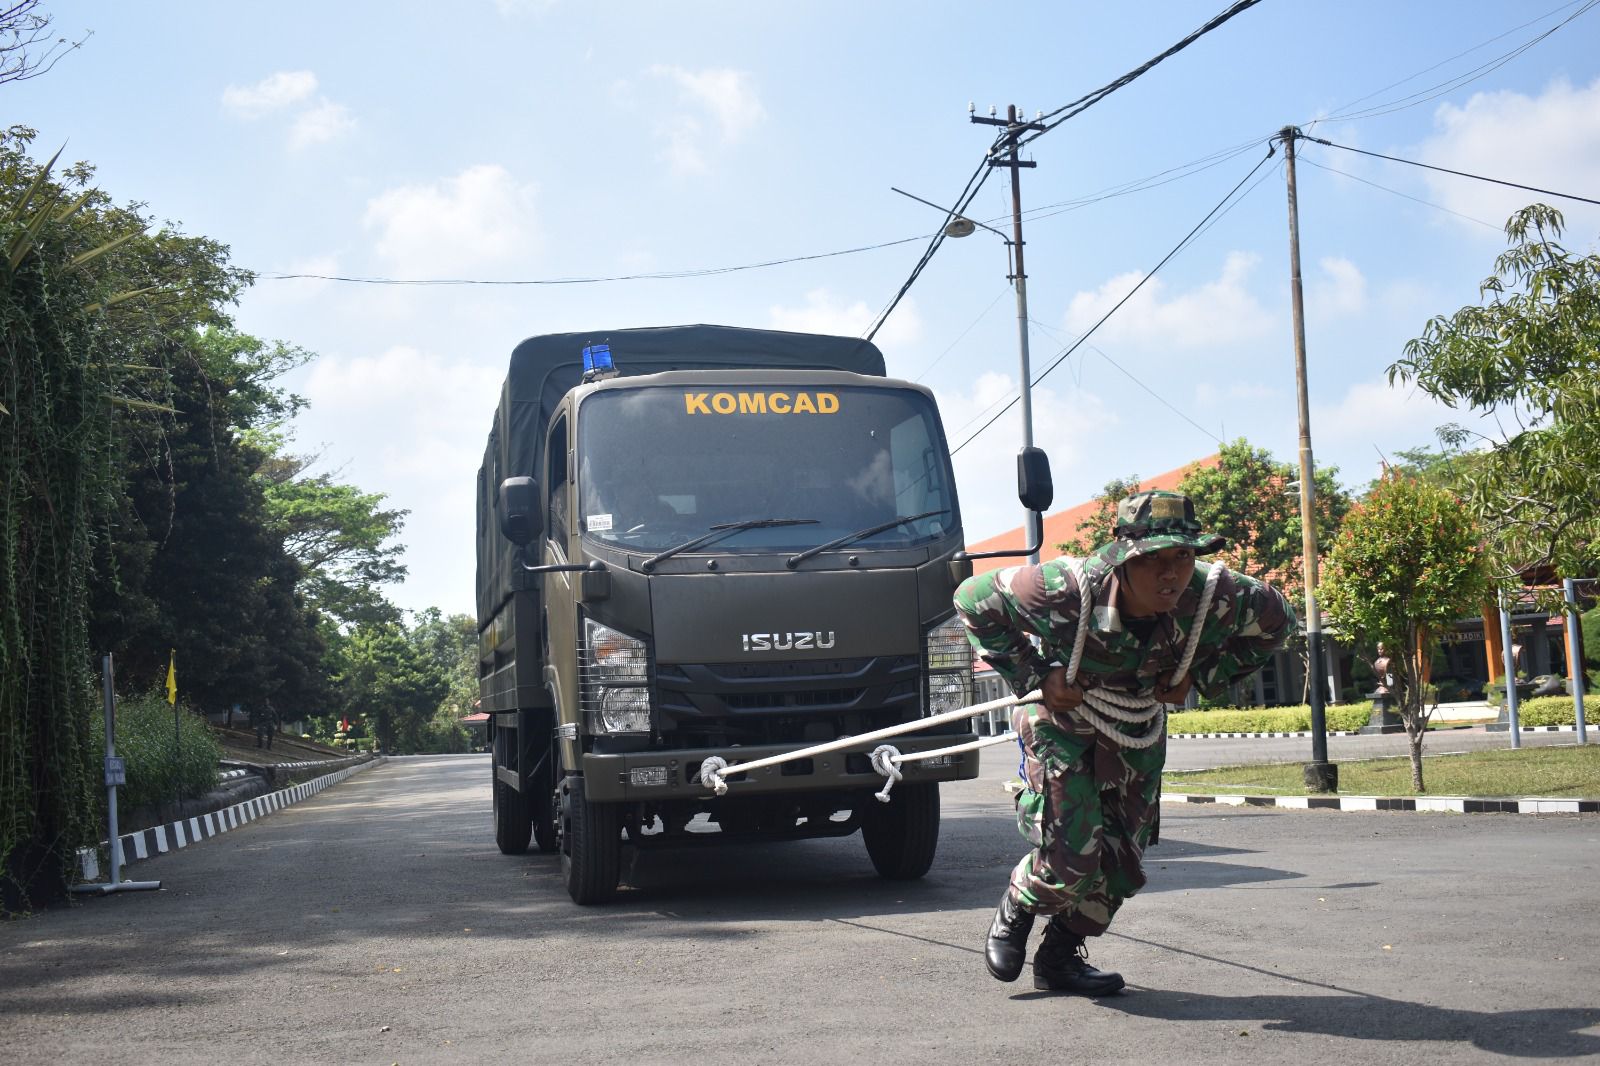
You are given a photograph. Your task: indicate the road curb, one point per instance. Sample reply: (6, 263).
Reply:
(1456, 804)
(160, 839)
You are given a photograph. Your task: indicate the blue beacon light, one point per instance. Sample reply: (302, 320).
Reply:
(597, 362)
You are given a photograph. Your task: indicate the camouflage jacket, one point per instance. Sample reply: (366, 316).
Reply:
(1248, 621)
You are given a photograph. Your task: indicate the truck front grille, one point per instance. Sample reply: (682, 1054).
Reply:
(750, 703)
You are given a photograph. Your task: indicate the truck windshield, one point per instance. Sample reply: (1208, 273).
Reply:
(656, 466)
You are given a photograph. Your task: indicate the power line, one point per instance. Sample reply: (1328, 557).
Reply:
(1457, 173)
(1340, 114)
(661, 275)
(959, 337)
(1221, 204)
(1083, 103)
(1396, 192)
(1433, 92)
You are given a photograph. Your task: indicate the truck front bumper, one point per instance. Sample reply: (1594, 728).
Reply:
(658, 775)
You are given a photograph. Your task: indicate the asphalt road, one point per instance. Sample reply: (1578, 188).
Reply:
(376, 923)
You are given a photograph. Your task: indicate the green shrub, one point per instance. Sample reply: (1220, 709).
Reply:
(1550, 710)
(158, 770)
(1268, 719)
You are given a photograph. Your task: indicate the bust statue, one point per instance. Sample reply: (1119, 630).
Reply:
(1384, 676)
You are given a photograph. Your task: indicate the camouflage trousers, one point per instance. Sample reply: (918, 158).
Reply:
(1088, 808)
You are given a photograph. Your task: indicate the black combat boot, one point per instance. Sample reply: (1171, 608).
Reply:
(1062, 965)
(1008, 939)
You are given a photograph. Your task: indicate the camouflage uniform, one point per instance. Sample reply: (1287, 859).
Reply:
(1090, 804)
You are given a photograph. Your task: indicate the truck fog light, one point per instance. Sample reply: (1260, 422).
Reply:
(649, 776)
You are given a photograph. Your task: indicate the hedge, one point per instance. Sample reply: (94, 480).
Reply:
(1339, 718)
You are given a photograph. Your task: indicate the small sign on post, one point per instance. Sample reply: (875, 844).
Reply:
(116, 771)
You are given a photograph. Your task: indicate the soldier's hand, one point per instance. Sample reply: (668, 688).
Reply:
(1177, 693)
(1058, 695)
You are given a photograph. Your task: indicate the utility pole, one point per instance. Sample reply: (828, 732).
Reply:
(1320, 774)
(1032, 524)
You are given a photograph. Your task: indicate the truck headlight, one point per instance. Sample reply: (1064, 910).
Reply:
(947, 659)
(615, 680)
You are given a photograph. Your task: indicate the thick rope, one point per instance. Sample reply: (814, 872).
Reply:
(714, 769)
(1103, 708)
(885, 758)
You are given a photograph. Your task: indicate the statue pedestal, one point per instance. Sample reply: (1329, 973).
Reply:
(1383, 719)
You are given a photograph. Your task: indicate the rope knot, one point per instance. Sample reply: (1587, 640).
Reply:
(885, 760)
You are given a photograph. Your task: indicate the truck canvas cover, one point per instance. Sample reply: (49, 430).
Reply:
(544, 369)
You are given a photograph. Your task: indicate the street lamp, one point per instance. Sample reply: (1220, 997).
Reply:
(961, 226)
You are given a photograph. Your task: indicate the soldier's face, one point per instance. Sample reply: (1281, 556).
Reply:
(1152, 584)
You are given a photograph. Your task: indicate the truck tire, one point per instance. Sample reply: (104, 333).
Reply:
(903, 834)
(591, 845)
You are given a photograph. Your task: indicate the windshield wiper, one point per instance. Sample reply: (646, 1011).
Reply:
(717, 532)
(860, 534)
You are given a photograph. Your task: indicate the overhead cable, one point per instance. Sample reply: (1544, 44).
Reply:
(1083, 103)
(1221, 204)
(1457, 173)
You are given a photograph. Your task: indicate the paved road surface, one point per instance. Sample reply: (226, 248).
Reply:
(376, 923)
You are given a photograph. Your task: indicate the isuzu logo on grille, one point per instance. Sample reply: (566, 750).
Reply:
(800, 641)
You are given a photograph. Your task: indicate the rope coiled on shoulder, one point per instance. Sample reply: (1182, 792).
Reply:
(1103, 708)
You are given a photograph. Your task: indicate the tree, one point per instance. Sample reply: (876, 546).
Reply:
(26, 50)
(1095, 531)
(1252, 499)
(92, 299)
(388, 676)
(1528, 358)
(1407, 563)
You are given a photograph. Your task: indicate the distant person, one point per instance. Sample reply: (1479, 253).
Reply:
(1093, 784)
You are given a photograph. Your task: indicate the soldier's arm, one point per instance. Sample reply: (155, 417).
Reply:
(1258, 622)
(1000, 610)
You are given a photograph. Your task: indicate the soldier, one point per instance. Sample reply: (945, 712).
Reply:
(1092, 794)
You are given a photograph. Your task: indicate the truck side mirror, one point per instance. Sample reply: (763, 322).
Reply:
(519, 510)
(1034, 487)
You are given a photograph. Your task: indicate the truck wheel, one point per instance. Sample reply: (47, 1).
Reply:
(591, 845)
(903, 834)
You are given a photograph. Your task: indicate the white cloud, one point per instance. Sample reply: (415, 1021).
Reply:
(322, 123)
(1552, 141)
(1215, 313)
(273, 93)
(481, 215)
(1070, 429)
(1340, 290)
(429, 412)
(724, 106)
(1382, 417)
(824, 312)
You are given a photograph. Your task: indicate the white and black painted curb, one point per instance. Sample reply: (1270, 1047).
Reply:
(158, 840)
(1457, 804)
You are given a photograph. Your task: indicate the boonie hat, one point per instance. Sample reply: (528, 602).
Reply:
(1150, 521)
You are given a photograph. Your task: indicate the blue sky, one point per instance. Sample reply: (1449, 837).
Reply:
(547, 139)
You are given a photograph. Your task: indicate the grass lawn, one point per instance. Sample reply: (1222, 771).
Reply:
(1562, 771)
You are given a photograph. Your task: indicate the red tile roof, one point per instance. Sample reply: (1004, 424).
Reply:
(1063, 525)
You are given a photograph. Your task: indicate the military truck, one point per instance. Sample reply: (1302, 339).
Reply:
(702, 540)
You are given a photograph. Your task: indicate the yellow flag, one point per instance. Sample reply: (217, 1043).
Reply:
(172, 678)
